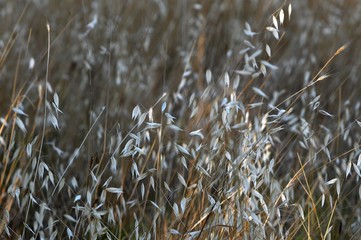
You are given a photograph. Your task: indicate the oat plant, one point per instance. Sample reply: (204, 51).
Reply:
(180, 120)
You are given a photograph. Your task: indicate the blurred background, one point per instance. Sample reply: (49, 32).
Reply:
(122, 53)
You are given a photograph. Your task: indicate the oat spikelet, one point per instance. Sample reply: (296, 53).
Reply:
(341, 49)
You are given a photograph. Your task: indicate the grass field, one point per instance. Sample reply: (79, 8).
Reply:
(171, 119)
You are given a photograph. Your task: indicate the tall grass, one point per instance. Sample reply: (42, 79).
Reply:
(180, 120)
